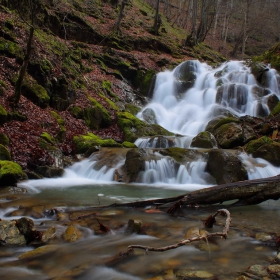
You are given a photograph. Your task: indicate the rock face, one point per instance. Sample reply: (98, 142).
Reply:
(225, 167)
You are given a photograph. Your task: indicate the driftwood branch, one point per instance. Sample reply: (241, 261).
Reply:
(183, 242)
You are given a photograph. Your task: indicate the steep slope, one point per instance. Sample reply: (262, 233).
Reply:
(82, 76)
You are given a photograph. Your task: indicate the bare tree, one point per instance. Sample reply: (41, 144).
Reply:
(27, 10)
(122, 6)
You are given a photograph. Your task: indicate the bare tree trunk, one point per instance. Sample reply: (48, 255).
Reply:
(156, 19)
(23, 68)
(117, 26)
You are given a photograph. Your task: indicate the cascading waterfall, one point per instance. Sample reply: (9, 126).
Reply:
(229, 89)
(184, 101)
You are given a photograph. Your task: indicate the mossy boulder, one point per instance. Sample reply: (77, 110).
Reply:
(265, 148)
(10, 173)
(225, 167)
(219, 121)
(259, 70)
(134, 128)
(4, 139)
(127, 144)
(3, 115)
(85, 142)
(77, 112)
(4, 153)
(36, 93)
(204, 140)
(62, 131)
(232, 135)
(276, 110)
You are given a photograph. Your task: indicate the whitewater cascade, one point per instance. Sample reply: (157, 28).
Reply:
(229, 89)
(185, 108)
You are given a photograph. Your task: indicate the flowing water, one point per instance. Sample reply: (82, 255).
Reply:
(90, 183)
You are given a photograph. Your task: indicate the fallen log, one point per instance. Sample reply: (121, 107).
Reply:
(247, 192)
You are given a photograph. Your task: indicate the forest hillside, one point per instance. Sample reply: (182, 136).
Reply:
(89, 72)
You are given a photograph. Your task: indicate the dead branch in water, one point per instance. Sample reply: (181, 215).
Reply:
(183, 242)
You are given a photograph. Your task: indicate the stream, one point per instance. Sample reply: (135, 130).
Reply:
(75, 198)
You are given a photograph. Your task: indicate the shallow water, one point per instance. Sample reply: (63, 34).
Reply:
(85, 258)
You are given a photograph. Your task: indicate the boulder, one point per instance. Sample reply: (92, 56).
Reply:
(49, 172)
(225, 167)
(272, 101)
(259, 70)
(10, 234)
(185, 75)
(205, 140)
(149, 116)
(72, 234)
(10, 173)
(4, 153)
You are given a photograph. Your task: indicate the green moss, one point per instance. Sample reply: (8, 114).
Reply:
(58, 118)
(133, 127)
(254, 145)
(3, 115)
(108, 88)
(112, 104)
(134, 110)
(85, 142)
(11, 49)
(47, 137)
(4, 153)
(62, 131)
(4, 139)
(225, 121)
(276, 110)
(271, 56)
(127, 144)
(35, 92)
(10, 173)
(3, 84)
(143, 80)
(76, 112)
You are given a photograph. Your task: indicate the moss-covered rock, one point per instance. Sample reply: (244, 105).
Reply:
(4, 139)
(132, 109)
(62, 131)
(3, 115)
(36, 93)
(134, 128)
(276, 110)
(85, 142)
(11, 49)
(265, 148)
(219, 121)
(10, 173)
(4, 153)
(77, 112)
(47, 137)
(204, 140)
(127, 144)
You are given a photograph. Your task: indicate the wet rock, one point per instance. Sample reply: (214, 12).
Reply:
(38, 252)
(198, 274)
(208, 247)
(49, 172)
(265, 148)
(272, 101)
(204, 140)
(232, 135)
(149, 116)
(277, 259)
(26, 227)
(195, 232)
(262, 236)
(185, 75)
(225, 167)
(274, 269)
(134, 226)
(50, 233)
(259, 70)
(258, 270)
(72, 234)
(10, 234)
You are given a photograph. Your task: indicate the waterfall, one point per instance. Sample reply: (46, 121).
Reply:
(188, 97)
